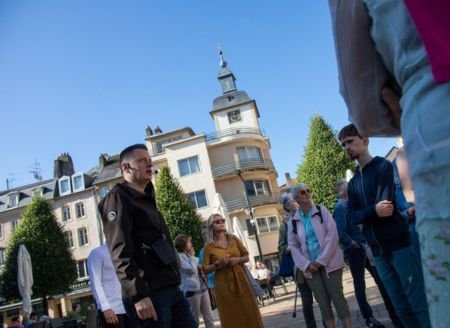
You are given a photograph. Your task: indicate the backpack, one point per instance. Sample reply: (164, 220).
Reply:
(294, 224)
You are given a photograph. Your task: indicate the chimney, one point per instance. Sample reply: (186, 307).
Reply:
(148, 131)
(158, 130)
(63, 166)
(102, 160)
(288, 179)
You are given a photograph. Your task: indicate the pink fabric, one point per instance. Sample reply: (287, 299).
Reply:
(331, 256)
(432, 20)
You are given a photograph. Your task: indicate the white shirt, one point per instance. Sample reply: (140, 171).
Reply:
(262, 273)
(105, 285)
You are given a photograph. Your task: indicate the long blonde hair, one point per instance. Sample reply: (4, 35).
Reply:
(210, 225)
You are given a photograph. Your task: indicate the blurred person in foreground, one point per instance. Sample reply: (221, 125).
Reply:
(408, 40)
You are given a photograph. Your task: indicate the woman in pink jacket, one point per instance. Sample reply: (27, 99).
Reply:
(313, 240)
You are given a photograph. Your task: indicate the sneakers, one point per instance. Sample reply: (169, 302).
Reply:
(373, 323)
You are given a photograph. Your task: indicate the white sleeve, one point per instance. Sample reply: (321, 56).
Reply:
(95, 270)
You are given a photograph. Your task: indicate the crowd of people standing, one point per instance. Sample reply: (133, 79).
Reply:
(393, 63)
(166, 285)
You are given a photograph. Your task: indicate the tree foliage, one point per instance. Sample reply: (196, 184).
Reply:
(54, 268)
(180, 215)
(324, 162)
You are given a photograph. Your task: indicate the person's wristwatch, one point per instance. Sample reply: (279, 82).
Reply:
(216, 264)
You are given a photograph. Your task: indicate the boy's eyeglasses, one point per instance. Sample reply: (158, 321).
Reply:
(304, 191)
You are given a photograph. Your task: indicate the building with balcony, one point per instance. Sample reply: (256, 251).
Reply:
(234, 161)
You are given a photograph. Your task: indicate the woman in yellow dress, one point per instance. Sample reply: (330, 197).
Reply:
(225, 254)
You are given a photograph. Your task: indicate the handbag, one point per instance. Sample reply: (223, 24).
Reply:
(211, 293)
(286, 265)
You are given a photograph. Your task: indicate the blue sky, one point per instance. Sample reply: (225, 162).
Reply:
(86, 77)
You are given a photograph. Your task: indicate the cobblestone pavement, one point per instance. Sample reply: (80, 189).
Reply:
(278, 313)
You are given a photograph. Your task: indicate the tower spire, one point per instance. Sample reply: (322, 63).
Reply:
(222, 62)
(226, 77)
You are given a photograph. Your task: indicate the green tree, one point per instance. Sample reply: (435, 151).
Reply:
(54, 268)
(180, 215)
(324, 162)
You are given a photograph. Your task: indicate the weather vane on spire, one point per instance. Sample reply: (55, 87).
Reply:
(222, 63)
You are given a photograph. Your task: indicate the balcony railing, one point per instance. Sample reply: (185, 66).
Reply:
(81, 284)
(248, 165)
(153, 152)
(232, 132)
(258, 200)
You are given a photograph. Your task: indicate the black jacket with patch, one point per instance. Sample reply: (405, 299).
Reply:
(132, 223)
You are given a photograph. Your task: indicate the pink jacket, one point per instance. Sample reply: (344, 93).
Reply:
(331, 256)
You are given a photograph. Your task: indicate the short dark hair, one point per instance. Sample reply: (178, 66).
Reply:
(349, 131)
(341, 185)
(181, 242)
(126, 153)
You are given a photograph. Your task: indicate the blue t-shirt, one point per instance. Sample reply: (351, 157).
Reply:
(312, 243)
(210, 276)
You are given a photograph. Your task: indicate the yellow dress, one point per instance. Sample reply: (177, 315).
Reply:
(236, 301)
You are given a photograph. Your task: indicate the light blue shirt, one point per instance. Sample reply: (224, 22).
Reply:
(190, 281)
(312, 243)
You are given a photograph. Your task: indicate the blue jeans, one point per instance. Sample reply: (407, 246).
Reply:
(358, 262)
(356, 258)
(400, 272)
(172, 308)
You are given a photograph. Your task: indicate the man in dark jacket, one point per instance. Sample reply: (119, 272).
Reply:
(359, 258)
(140, 245)
(370, 203)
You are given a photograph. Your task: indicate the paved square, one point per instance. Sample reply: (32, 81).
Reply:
(278, 313)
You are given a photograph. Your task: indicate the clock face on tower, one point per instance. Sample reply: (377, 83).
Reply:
(234, 116)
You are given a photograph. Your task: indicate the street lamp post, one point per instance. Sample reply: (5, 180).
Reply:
(252, 219)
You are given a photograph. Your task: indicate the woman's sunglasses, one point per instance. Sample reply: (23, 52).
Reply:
(304, 191)
(219, 221)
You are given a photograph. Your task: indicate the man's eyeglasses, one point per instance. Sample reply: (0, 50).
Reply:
(219, 221)
(304, 191)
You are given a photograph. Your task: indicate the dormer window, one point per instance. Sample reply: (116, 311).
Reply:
(13, 200)
(64, 186)
(234, 116)
(38, 192)
(78, 182)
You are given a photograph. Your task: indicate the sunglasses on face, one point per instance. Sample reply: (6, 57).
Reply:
(305, 191)
(219, 221)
